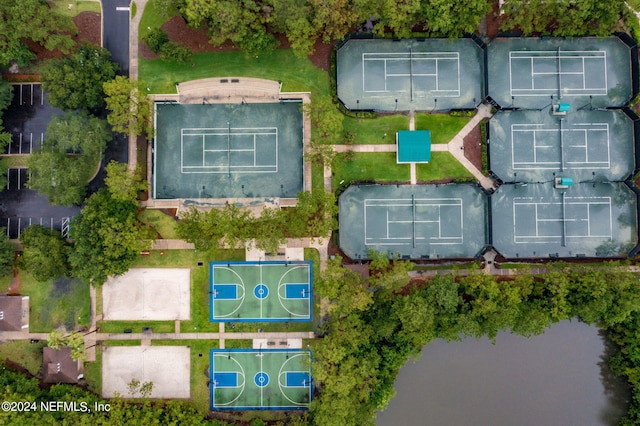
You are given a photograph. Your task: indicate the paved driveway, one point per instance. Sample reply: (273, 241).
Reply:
(115, 31)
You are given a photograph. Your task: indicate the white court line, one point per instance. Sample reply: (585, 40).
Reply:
(580, 128)
(386, 203)
(574, 201)
(226, 168)
(413, 57)
(558, 56)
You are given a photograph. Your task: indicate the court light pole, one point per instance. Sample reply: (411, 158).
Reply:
(242, 188)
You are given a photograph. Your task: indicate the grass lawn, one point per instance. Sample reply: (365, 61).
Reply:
(62, 7)
(162, 223)
(443, 126)
(93, 372)
(15, 161)
(297, 75)
(54, 304)
(199, 281)
(369, 166)
(136, 326)
(24, 353)
(317, 177)
(381, 130)
(152, 18)
(443, 165)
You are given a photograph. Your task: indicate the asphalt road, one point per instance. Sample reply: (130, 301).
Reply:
(115, 31)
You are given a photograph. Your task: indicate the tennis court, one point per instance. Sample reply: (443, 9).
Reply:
(418, 221)
(528, 72)
(267, 291)
(228, 151)
(257, 379)
(587, 219)
(391, 75)
(534, 146)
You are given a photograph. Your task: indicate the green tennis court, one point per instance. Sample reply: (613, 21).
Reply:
(413, 221)
(257, 379)
(402, 75)
(261, 291)
(228, 150)
(587, 145)
(529, 72)
(588, 219)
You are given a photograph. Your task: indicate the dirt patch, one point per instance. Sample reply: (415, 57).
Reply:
(89, 30)
(473, 147)
(321, 56)
(197, 41)
(493, 20)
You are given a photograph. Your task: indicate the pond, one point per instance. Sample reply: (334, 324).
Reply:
(558, 378)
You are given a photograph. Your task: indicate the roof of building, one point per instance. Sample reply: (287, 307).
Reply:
(414, 146)
(13, 316)
(58, 366)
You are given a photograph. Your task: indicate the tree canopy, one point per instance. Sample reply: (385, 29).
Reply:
(45, 253)
(7, 251)
(75, 82)
(563, 18)
(123, 184)
(31, 20)
(107, 238)
(130, 109)
(374, 325)
(71, 152)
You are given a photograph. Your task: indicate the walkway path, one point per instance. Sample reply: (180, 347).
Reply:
(133, 72)
(455, 147)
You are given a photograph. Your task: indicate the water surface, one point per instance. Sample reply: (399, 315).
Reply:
(558, 378)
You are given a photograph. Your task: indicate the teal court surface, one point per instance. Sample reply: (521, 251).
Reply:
(228, 150)
(587, 219)
(261, 291)
(257, 379)
(413, 221)
(425, 75)
(531, 72)
(535, 146)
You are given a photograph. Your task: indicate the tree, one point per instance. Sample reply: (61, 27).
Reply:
(69, 157)
(122, 183)
(6, 96)
(325, 119)
(453, 19)
(75, 82)
(173, 52)
(130, 110)
(7, 253)
(107, 238)
(75, 341)
(240, 21)
(226, 227)
(563, 18)
(31, 20)
(333, 19)
(45, 253)
(399, 16)
(155, 39)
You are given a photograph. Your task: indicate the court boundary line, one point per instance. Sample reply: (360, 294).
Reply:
(308, 264)
(228, 132)
(413, 56)
(260, 352)
(556, 55)
(578, 165)
(413, 203)
(551, 239)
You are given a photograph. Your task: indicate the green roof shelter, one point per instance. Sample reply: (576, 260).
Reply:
(413, 146)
